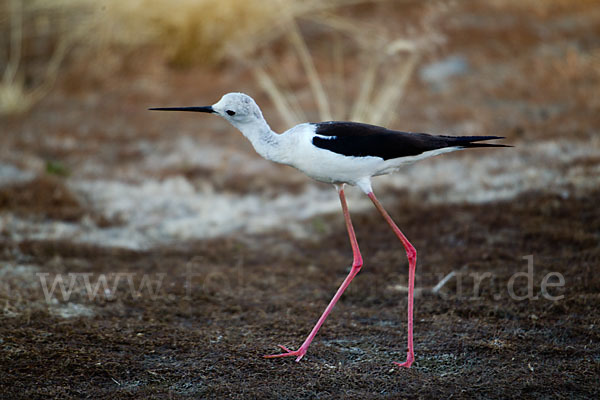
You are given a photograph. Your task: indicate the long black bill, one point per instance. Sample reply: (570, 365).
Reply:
(207, 109)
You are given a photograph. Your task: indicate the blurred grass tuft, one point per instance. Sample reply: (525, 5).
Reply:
(57, 168)
(38, 36)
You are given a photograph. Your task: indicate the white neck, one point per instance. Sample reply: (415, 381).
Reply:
(266, 142)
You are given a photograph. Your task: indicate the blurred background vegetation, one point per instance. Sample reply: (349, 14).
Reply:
(279, 41)
(41, 39)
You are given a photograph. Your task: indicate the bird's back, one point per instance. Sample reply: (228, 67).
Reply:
(363, 140)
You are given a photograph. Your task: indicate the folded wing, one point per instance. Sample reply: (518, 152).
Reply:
(363, 140)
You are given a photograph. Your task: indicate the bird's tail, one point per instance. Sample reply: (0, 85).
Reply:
(472, 141)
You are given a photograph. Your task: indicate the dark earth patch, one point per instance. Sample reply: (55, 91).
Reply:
(224, 303)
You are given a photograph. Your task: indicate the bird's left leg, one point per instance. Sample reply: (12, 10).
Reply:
(356, 266)
(411, 254)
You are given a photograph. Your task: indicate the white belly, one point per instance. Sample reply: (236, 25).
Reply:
(327, 166)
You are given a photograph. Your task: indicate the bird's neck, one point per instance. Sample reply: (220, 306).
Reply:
(266, 142)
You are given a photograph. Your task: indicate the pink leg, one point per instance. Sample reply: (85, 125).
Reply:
(411, 254)
(356, 265)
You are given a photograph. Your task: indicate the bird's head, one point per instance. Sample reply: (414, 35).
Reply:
(237, 108)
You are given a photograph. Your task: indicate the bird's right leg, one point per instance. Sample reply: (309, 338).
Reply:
(356, 266)
(411, 254)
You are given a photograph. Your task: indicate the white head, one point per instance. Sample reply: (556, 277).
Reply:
(237, 108)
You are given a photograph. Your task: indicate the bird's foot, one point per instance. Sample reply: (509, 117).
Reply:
(289, 353)
(410, 358)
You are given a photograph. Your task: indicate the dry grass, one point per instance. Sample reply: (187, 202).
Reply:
(197, 31)
(376, 88)
(16, 96)
(36, 36)
(255, 33)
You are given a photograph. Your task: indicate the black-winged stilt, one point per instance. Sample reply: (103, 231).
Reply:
(340, 153)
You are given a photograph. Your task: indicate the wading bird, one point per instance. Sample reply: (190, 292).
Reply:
(340, 153)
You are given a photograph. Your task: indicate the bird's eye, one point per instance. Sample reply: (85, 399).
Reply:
(229, 112)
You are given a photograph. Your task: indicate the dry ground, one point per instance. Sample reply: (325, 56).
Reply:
(245, 297)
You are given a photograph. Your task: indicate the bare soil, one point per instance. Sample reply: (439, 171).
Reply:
(243, 297)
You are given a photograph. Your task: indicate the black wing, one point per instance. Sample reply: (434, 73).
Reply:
(362, 140)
